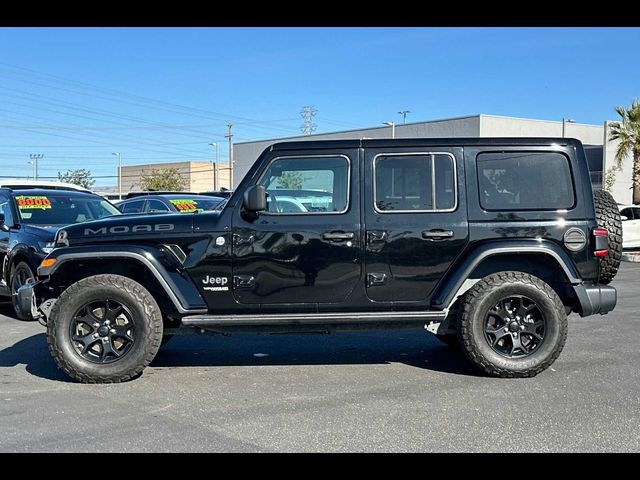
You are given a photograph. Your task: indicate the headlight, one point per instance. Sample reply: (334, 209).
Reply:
(46, 247)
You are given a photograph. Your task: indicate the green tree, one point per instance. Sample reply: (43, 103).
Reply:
(610, 179)
(291, 180)
(80, 177)
(627, 131)
(168, 180)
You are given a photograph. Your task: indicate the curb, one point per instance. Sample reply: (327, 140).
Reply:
(631, 257)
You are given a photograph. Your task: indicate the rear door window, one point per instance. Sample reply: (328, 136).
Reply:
(133, 207)
(156, 206)
(525, 181)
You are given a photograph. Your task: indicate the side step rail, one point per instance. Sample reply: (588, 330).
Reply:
(311, 318)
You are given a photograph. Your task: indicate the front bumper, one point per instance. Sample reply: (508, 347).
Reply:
(596, 298)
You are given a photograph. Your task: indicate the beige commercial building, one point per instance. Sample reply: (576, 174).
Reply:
(198, 176)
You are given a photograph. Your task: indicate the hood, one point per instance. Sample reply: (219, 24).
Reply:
(46, 234)
(123, 228)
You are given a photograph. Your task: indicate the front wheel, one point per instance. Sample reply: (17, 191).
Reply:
(20, 275)
(104, 329)
(512, 324)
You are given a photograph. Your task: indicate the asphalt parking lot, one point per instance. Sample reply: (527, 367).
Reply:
(398, 390)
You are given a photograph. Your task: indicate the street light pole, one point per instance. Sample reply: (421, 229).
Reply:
(119, 174)
(564, 122)
(404, 115)
(35, 157)
(393, 128)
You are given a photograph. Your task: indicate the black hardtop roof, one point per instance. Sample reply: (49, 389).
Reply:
(426, 142)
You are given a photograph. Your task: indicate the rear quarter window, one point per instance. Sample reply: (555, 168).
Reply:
(525, 181)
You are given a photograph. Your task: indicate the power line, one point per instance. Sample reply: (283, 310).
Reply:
(147, 102)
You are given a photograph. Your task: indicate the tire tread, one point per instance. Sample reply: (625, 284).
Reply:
(152, 316)
(471, 299)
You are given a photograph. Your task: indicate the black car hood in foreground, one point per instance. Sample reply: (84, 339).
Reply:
(45, 233)
(129, 227)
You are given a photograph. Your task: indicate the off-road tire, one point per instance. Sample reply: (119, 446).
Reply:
(15, 270)
(483, 296)
(608, 216)
(147, 320)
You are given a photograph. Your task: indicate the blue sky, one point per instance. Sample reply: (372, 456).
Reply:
(162, 94)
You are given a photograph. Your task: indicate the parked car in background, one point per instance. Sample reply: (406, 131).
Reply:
(630, 215)
(164, 202)
(30, 217)
(16, 183)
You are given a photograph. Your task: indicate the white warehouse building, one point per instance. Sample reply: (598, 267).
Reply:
(600, 151)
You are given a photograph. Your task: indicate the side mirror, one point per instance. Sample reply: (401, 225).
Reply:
(623, 218)
(3, 226)
(255, 199)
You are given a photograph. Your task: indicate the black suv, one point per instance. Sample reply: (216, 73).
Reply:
(489, 241)
(29, 220)
(157, 202)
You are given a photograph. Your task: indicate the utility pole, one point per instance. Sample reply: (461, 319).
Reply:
(230, 137)
(307, 113)
(119, 175)
(215, 168)
(35, 157)
(404, 115)
(33, 164)
(393, 128)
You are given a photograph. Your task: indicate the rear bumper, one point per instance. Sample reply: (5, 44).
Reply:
(596, 298)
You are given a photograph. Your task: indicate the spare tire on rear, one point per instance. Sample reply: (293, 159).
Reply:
(608, 216)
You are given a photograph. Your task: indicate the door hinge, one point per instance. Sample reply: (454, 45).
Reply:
(376, 236)
(244, 281)
(376, 279)
(242, 239)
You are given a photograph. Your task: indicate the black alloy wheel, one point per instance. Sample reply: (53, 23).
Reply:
(102, 331)
(515, 327)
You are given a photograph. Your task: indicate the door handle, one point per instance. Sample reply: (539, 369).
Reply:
(437, 234)
(338, 236)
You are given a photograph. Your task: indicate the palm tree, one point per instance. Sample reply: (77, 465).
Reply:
(627, 132)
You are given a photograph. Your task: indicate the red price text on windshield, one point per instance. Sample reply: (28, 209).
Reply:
(28, 202)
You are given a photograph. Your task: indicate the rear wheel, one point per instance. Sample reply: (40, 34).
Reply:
(512, 324)
(20, 274)
(608, 216)
(104, 329)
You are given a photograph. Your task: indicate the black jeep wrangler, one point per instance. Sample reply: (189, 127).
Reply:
(489, 241)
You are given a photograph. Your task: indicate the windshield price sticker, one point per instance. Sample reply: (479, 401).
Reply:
(185, 206)
(30, 202)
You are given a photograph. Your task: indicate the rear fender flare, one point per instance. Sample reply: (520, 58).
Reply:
(457, 280)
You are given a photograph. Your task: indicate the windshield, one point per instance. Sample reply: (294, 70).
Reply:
(62, 209)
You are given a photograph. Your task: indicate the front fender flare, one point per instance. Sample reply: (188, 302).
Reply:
(162, 265)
